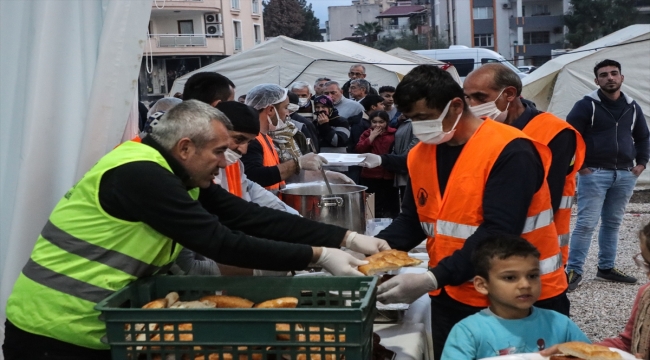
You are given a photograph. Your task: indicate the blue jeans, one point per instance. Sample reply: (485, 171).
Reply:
(602, 195)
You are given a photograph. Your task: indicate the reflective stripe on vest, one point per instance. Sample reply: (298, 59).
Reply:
(566, 202)
(462, 231)
(564, 239)
(551, 264)
(64, 284)
(96, 253)
(545, 218)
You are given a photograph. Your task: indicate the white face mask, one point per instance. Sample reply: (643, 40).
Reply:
(491, 110)
(280, 124)
(303, 102)
(430, 131)
(232, 156)
(292, 108)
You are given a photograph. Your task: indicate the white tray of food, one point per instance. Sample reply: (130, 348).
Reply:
(334, 159)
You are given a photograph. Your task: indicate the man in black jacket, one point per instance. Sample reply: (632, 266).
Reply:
(617, 139)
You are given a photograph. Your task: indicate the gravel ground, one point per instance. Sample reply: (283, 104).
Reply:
(602, 309)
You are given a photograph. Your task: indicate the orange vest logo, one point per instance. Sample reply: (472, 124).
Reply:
(422, 197)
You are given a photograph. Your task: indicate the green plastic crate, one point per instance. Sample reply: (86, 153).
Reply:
(333, 320)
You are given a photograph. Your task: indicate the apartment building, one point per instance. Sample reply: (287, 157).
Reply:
(399, 19)
(185, 35)
(525, 31)
(343, 20)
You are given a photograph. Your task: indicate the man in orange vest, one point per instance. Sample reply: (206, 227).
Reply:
(493, 87)
(470, 179)
(261, 160)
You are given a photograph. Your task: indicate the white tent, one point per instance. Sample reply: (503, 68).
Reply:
(559, 83)
(413, 57)
(283, 60)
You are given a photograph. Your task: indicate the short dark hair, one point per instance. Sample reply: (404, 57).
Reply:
(380, 114)
(503, 76)
(427, 82)
(371, 100)
(207, 87)
(606, 62)
(501, 247)
(386, 88)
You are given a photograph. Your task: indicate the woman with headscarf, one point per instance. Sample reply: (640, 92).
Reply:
(333, 130)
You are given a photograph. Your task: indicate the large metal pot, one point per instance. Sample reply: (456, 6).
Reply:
(345, 207)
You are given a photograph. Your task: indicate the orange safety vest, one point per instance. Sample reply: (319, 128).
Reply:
(543, 128)
(450, 219)
(233, 176)
(271, 158)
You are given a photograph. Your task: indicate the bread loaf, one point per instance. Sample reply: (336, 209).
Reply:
(587, 351)
(388, 260)
(225, 301)
(285, 302)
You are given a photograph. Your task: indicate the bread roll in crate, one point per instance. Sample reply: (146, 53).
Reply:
(208, 317)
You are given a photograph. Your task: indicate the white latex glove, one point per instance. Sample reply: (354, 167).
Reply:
(406, 288)
(365, 244)
(371, 160)
(311, 161)
(339, 263)
(337, 178)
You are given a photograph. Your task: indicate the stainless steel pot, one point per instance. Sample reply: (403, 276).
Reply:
(345, 207)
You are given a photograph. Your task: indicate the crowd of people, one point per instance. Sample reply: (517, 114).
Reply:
(480, 173)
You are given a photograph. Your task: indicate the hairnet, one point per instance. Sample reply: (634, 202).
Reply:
(264, 95)
(164, 104)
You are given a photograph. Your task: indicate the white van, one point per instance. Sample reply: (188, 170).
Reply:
(466, 59)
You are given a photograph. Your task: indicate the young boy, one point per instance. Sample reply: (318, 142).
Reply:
(508, 272)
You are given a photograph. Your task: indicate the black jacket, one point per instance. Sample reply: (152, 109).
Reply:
(612, 143)
(358, 124)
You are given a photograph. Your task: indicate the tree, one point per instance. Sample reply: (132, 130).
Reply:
(311, 29)
(588, 20)
(369, 31)
(283, 17)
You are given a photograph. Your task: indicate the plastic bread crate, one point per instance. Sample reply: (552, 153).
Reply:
(333, 320)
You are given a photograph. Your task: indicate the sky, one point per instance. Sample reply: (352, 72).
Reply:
(320, 8)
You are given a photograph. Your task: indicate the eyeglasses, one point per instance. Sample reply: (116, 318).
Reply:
(640, 262)
(355, 73)
(330, 92)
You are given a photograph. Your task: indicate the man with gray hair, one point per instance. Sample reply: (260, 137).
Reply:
(357, 71)
(319, 85)
(131, 215)
(359, 88)
(304, 92)
(347, 108)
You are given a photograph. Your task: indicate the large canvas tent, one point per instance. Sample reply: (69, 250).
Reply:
(559, 83)
(283, 60)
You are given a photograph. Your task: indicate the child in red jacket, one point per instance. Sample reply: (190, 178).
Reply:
(379, 139)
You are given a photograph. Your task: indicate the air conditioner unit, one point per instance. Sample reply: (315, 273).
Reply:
(213, 30)
(212, 18)
(507, 6)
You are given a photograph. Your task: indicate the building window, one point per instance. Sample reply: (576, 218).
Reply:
(256, 6)
(185, 27)
(483, 13)
(537, 37)
(234, 4)
(236, 27)
(258, 33)
(539, 10)
(484, 40)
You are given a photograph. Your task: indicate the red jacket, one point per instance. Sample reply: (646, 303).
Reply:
(383, 144)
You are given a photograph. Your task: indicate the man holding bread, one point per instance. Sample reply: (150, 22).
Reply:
(469, 179)
(130, 216)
